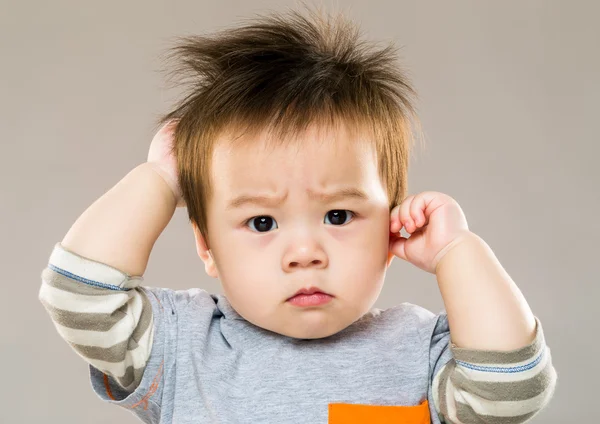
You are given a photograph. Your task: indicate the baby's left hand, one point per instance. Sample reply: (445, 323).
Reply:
(435, 223)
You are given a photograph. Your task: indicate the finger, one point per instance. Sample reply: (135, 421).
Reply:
(395, 224)
(397, 247)
(405, 217)
(417, 210)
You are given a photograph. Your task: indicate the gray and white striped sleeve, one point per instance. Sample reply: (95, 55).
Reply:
(101, 313)
(493, 386)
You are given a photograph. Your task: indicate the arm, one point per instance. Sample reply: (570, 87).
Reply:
(121, 227)
(473, 283)
(502, 366)
(90, 286)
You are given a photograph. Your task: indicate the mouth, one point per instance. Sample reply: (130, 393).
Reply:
(309, 291)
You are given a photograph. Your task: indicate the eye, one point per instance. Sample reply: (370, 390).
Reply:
(338, 216)
(264, 223)
(261, 223)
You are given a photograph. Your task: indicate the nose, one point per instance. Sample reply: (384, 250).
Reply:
(306, 254)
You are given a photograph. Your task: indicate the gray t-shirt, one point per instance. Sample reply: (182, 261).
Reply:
(209, 365)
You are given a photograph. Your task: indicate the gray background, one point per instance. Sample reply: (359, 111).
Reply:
(508, 94)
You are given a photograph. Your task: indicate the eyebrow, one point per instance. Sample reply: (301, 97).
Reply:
(270, 201)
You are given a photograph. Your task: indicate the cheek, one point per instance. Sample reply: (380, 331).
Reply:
(243, 261)
(375, 250)
(371, 237)
(363, 255)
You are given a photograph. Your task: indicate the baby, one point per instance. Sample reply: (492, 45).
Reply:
(290, 153)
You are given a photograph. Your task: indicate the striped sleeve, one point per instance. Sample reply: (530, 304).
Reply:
(495, 387)
(101, 313)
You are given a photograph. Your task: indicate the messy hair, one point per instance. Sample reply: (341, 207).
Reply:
(280, 73)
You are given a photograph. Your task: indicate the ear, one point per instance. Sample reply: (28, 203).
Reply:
(390, 258)
(205, 254)
(391, 255)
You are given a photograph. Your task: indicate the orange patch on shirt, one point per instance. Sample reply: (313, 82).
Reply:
(346, 413)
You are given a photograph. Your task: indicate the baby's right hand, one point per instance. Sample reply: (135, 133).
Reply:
(163, 161)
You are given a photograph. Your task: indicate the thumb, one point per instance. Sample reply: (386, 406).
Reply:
(397, 246)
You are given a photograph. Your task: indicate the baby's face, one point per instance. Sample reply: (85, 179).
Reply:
(264, 253)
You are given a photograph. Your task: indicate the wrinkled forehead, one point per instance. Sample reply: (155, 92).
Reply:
(318, 156)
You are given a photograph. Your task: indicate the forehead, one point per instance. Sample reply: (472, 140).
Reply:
(315, 160)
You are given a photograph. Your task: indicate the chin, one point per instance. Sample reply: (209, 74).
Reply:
(313, 332)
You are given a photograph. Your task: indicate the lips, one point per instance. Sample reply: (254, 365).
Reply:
(309, 291)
